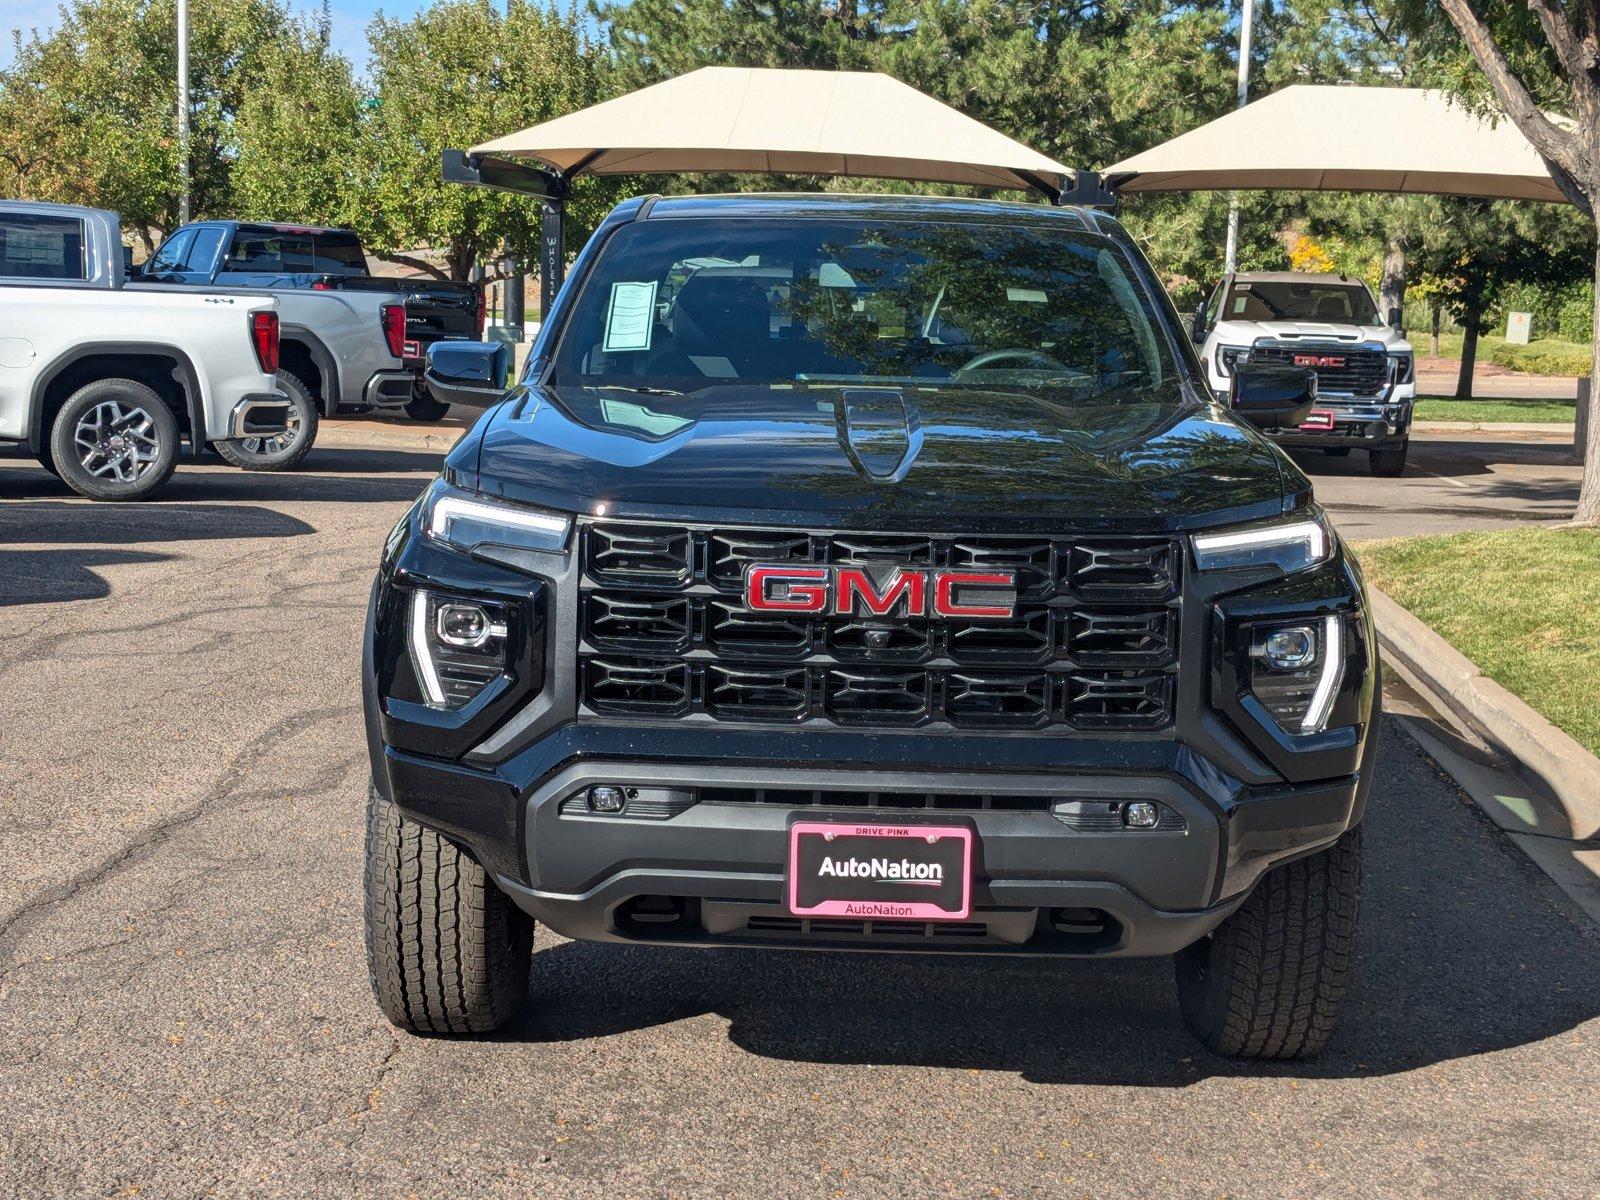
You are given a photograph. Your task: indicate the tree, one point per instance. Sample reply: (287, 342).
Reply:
(89, 109)
(1534, 55)
(298, 134)
(456, 74)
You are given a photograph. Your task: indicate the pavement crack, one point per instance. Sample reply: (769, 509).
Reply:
(232, 775)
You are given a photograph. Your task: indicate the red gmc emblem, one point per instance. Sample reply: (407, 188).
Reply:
(897, 591)
(1319, 360)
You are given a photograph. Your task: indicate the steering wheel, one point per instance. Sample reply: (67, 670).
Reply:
(1035, 358)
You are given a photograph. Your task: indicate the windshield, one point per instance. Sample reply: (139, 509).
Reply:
(680, 305)
(1341, 303)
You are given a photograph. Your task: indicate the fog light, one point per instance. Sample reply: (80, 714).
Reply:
(606, 799)
(1291, 648)
(1141, 814)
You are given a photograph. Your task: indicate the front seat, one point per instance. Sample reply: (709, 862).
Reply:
(1331, 308)
(723, 326)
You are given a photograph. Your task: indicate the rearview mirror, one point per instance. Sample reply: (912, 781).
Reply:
(470, 373)
(1271, 395)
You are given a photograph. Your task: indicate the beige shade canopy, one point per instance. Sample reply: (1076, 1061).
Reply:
(1355, 139)
(788, 122)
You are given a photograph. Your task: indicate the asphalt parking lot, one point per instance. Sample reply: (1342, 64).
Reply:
(184, 996)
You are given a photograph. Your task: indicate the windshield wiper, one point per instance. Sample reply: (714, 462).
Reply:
(642, 389)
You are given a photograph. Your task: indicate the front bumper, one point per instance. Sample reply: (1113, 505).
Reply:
(705, 848)
(1350, 422)
(260, 415)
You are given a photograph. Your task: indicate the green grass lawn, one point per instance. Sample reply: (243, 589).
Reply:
(1542, 356)
(1439, 408)
(1523, 604)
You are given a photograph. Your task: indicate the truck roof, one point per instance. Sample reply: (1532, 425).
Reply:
(850, 205)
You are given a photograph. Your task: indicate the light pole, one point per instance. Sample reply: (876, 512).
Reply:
(1246, 19)
(183, 112)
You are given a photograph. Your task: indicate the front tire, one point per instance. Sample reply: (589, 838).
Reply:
(1390, 461)
(447, 951)
(114, 439)
(1271, 980)
(284, 451)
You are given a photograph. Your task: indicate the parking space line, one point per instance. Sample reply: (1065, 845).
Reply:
(1448, 479)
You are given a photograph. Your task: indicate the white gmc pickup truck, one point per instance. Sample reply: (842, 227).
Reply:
(1366, 379)
(104, 383)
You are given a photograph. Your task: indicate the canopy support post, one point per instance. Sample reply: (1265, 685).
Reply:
(525, 179)
(552, 252)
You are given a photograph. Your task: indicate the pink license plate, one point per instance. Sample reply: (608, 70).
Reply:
(880, 872)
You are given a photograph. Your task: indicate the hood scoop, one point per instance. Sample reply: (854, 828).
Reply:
(880, 430)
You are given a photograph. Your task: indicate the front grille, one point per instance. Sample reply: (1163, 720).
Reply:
(1365, 372)
(664, 633)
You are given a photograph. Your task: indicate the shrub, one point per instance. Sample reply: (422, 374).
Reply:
(1575, 320)
(1541, 358)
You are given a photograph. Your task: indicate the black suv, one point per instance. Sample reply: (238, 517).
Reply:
(871, 573)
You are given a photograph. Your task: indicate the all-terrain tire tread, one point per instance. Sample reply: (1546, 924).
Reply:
(447, 952)
(1272, 980)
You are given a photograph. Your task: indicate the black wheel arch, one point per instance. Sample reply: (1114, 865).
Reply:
(163, 368)
(327, 387)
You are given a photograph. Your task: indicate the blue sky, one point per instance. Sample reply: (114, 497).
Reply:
(350, 19)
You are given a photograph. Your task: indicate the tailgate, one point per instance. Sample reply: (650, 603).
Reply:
(435, 315)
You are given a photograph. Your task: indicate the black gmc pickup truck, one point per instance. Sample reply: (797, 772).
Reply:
(871, 574)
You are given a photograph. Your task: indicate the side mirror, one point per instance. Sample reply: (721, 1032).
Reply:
(1272, 396)
(1197, 327)
(1396, 317)
(127, 262)
(470, 373)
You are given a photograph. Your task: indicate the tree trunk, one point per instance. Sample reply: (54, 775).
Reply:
(1434, 349)
(1469, 354)
(1392, 287)
(1589, 494)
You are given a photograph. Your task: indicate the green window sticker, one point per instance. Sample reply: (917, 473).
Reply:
(630, 317)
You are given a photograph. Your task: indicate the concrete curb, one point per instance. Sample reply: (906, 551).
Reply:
(1568, 771)
(388, 439)
(1555, 429)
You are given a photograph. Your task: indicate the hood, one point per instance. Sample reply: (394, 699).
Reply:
(1245, 333)
(915, 459)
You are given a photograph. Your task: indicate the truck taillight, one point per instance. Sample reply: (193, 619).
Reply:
(264, 337)
(393, 317)
(483, 309)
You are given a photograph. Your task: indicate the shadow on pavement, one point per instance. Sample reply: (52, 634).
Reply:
(1454, 963)
(337, 476)
(79, 521)
(1450, 458)
(46, 576)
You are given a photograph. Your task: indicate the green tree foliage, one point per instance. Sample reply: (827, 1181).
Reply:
(89, 110)
(297, 134)
(456, 74)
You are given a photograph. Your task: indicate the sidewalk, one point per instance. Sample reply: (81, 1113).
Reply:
(1498, 384)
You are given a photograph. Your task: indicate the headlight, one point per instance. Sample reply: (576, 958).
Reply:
(1291, 546)
(1404, 367)
(467, 522)
(1229, 357)
(1296, 669)
(458, 646)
